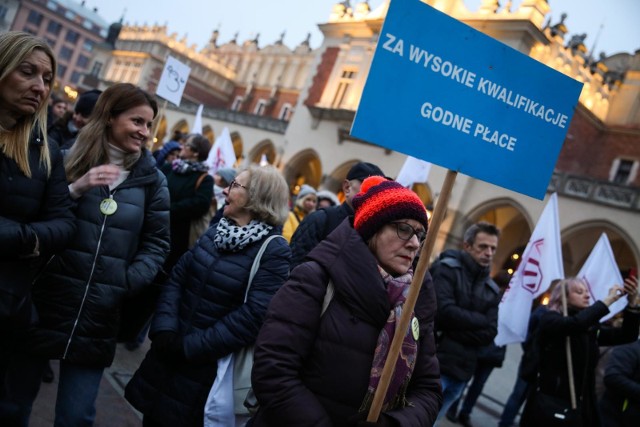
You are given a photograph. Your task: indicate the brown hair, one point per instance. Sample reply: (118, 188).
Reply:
(92, 146)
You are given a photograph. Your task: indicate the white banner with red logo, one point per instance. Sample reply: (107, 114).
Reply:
(600, 272)
(222, 154)
(540, 264)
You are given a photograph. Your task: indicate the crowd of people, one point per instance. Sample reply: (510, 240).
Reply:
(95, 228)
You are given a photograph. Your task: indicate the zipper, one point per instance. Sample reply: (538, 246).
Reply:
(86, 288)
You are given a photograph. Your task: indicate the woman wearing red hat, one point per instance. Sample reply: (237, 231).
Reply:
(319, 355)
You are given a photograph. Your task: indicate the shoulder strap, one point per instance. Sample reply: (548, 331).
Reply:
(328, 296)
(256, 263)
(200, 179)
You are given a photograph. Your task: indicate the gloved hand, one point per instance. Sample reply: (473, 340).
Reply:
(168, 346)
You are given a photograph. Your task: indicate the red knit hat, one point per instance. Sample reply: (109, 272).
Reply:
(381, 201)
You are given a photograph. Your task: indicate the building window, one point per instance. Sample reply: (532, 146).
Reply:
(97, 67)
(88, 45)
(65, 53)
(62, 70)
(3, 12)
(29, 30)
(236, 103)
(72, 36)
(51, 42)
(261, 105)
(75, 76)
(285, 112)
(34, 18)
(344, 83)
(623, 171)
(83, 61)
(54, 27)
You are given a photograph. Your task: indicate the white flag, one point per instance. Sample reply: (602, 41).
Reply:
(413, 170)
(197, 123)
(540, 264)
(600, 272)
(173, 80)
(221, 154)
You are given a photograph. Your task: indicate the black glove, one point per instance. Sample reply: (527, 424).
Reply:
(161, 340)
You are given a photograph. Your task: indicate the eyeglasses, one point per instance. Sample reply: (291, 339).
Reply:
(235, 184)
(406, 232)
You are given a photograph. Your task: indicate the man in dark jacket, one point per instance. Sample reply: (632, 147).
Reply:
(316, 226)
(468, 300)
(620, 404)
(64, 131)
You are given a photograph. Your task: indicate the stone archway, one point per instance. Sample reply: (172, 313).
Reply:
(207, 131)
(263, 148)
(303, 168)
(238, 147)
(579, 240)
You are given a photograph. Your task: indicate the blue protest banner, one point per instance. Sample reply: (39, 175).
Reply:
(446, 93)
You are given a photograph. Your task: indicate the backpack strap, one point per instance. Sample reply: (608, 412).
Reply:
(200, 179)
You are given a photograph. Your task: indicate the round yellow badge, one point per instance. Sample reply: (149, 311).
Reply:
(415, 328)
(108, 206)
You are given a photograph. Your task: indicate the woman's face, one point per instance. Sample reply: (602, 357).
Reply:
(27, 87)
(309, 203)
(236, 198)
(188, 153)
(395, 255)
(58, 109)
(578, 296)
(130, 130)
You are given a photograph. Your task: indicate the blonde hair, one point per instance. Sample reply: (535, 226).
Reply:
(566, 286)
(268, 199)
(15, 46)
(92, 145)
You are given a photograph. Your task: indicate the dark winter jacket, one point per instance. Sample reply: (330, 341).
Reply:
(60, 133)
(586, 335)
(312, 369)
(314, 228)
(29, 207)
(203, 303)
(467, 312)
(620, 404)
(80, 293)
(188, 203)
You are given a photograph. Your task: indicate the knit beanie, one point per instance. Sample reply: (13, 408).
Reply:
(381, 201)
(305, 190)
(86, 102)
(227, 174)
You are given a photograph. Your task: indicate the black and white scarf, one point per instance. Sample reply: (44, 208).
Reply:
(233, 238)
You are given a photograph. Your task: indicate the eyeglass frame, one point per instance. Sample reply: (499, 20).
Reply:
(421, 235)
(233, 184)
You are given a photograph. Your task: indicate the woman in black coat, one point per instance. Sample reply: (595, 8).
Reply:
(202, 315)
(319, 354)
(122, 206)
(583, 328)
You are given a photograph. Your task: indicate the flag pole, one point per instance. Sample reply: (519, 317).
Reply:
(156, 124)
(412, 297)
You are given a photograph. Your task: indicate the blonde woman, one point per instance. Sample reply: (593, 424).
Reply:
(35, 209)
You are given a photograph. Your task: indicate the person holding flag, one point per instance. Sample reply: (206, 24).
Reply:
(319, 355)
(567, 341)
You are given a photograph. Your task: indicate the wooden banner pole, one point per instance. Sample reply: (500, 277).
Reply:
(412, 297)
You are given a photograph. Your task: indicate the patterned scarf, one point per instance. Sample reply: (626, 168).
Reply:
(233, 238)
(182, 167)
(397, 290)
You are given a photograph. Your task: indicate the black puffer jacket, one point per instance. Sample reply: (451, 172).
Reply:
(467, 312)
(40, 206)
(111, 256)
(620, 404)
(203, 303)
(313, 369)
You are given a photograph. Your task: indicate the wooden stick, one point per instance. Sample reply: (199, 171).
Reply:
(412, 297)
(572, 385)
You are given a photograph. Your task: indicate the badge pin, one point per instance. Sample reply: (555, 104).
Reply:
(108, 206)
(415, 328)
